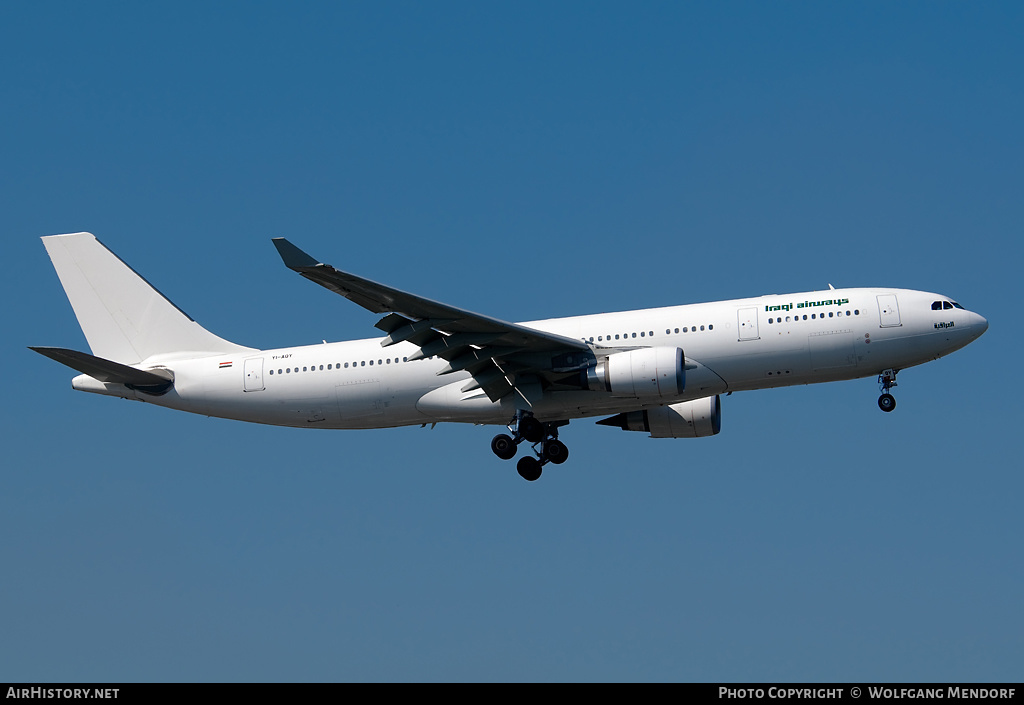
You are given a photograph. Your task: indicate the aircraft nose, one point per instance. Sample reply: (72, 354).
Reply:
(979, 324)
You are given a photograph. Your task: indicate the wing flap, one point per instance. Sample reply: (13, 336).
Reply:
(392, 322)
(494, 383)
(412, 331)
(449, 347)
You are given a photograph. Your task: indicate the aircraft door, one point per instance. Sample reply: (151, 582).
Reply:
(888, 311)
(746, 323)
(254, 374)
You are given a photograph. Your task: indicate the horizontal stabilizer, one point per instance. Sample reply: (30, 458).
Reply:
(107, 370)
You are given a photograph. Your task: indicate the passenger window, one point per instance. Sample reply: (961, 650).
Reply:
(271, 372)
(363, 363)
(634, 335)
(710, 327)
(677, 330)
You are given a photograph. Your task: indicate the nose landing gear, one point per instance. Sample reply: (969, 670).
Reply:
(886, 381)
(529, 429)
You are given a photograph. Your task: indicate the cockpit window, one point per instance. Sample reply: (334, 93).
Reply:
(946, 305)
(959, 306)
(936, 305)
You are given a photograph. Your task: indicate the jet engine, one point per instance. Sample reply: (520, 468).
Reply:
(687, 419)
(647, 373)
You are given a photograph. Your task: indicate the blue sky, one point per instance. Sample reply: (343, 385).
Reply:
(524, 160)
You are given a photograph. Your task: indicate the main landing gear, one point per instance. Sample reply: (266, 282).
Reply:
(886, 381)
(527, 428)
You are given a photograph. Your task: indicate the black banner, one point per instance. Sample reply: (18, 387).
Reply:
(848, 692)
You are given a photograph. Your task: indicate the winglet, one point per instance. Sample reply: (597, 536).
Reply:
(293, 257)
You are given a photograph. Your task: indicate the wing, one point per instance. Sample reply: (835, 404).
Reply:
(495, 352)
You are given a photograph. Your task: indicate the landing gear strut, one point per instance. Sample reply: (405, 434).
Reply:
(886, 381)
(529, 429)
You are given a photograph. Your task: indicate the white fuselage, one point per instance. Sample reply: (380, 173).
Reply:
(737, 345)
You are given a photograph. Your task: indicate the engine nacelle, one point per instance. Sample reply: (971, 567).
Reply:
(647, 373)
(687, 419)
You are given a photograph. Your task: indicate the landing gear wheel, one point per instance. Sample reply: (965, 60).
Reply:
(542, 436)
(887, 402)
(886, 381)
(556, 452)
(531, 429)
(529, 468)
(503, 446)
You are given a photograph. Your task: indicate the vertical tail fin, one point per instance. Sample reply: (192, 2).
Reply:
(123, 317)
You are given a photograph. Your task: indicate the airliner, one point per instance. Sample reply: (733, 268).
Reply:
(661, 371)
